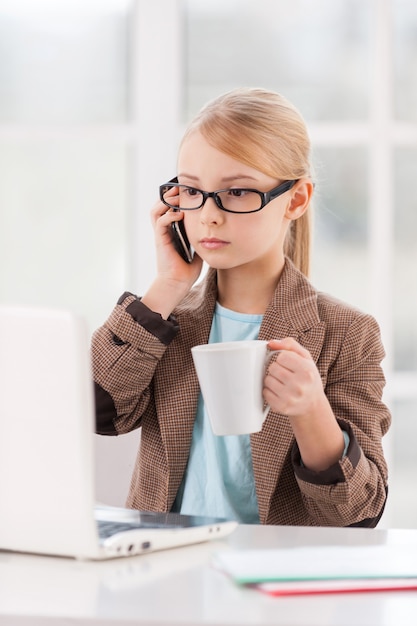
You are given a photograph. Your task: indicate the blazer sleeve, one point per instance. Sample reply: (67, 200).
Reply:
(354, 490)
(125, 353)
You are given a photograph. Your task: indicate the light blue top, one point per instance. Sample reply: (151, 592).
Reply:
(218, 480)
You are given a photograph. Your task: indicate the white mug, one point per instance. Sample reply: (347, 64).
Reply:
(231, 378)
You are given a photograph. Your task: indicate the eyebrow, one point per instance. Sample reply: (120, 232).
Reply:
(225, 179)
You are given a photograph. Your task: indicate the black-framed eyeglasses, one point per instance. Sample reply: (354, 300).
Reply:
(234, 200)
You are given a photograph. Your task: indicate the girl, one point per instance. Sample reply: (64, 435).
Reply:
(242, 192)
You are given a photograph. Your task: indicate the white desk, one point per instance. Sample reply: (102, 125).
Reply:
(179, 587)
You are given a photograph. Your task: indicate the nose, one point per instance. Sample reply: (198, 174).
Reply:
(210, 212)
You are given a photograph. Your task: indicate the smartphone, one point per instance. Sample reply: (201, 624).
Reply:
(180, 240)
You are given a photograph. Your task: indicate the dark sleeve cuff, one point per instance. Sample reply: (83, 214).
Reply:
(333, 474)
(154, 323)
(105, 411)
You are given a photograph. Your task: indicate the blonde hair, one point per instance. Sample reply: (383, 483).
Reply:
(264, 130)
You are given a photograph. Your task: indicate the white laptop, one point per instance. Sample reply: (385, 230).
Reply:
(47, 484)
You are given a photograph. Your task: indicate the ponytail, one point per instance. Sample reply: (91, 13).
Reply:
(297, 245)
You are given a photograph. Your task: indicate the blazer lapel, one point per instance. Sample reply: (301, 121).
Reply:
(293, 312)
(176, 433)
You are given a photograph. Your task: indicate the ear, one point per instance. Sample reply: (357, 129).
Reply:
(301, 195)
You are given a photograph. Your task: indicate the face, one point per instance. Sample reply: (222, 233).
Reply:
(228, 240)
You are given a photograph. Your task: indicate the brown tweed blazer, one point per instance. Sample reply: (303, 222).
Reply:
(144, 377)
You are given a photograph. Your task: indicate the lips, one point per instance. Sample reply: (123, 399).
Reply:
(212, 243)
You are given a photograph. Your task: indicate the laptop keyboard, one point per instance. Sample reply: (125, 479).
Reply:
(108, 529)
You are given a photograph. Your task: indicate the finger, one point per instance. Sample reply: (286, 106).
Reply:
(288, 344)
(158, 209)
(161, 215)
(171, 197)
(171, 191)
(289, 362)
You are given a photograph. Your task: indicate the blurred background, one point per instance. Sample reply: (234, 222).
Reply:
(94, 97)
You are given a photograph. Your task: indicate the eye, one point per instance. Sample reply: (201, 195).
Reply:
(190, 191)
(238, 193)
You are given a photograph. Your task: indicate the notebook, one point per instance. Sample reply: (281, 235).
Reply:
(47, 482)
(305, 570)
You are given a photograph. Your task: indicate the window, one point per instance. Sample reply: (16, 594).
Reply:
(63, 154)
